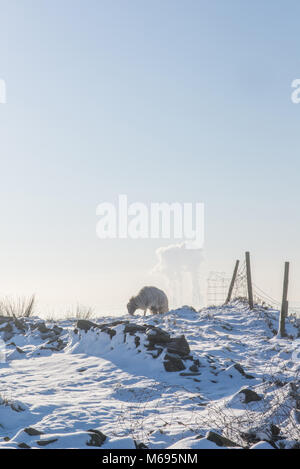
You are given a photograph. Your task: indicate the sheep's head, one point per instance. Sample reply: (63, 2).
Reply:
(131, 306)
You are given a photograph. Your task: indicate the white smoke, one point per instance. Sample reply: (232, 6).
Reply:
(180, 266)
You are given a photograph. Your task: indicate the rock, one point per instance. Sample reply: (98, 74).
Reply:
(173, 364)
(86, 325)
(43, 328)
(155, 335)
(140, 445)
(60, 344)
(46, 442)
(179, 346)
(97, 438)
(57, 330)
(250, 437)
(137, 341)
(241, 370)
(23, 446)
(108, 330)
(117, 323)
(194, 368)
(133, 328)
(274, 430)
(158, 340)
(17, 407)
(249, 395)
(48, 336)
(220, 440)
(33, 431)
(190, 374)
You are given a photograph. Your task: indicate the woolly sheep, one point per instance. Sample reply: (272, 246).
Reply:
(149, 298)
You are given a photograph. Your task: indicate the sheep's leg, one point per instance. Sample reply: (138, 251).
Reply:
(145, 311)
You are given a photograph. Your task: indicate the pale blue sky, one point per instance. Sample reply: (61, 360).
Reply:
(160, 100)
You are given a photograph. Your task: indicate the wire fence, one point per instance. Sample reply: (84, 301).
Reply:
(261, 297)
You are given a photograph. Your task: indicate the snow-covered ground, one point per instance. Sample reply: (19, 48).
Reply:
(68, 385)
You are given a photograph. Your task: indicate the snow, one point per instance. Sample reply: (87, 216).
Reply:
(71, 383)
(192, 443)
(262, 445)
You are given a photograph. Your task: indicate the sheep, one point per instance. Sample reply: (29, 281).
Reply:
(149, 298)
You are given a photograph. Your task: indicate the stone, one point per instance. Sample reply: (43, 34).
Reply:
(108, 330)
(140, 445)
(274, 430)
(241, 370)
(23, 446)
(133, 328)
(250, 395)
(250, 437)
(173, 364)
(97, 438)
(117, 323)
(190, 374)
(155, 335)
(194, 368)
(86, 325)
(43, 328)
(57, 330)
(46, 442)
(137, 341)
(32, 431)
(220, 440)
(179, 346)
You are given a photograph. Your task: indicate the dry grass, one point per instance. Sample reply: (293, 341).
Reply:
(81, 312)
(19, 307)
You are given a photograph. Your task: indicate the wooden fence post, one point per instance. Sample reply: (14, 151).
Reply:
(284, 304)
(232, 282)
(249, 281)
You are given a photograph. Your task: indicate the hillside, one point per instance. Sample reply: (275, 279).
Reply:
(215, 378)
